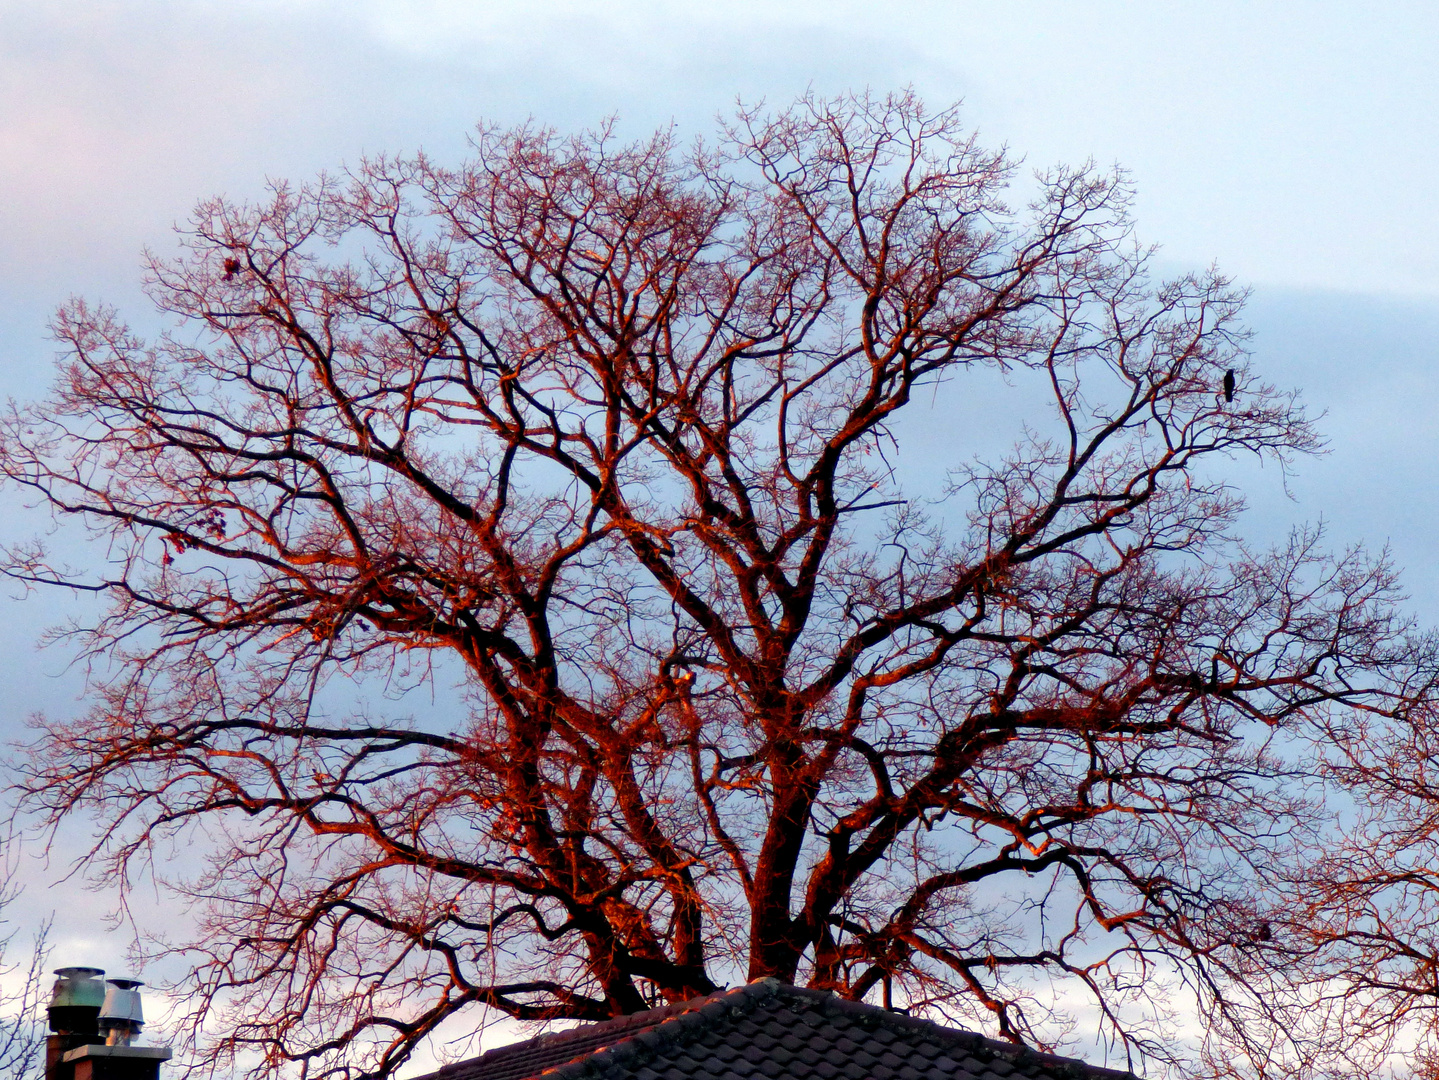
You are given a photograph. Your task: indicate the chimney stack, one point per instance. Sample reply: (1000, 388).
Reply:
(93, 1024)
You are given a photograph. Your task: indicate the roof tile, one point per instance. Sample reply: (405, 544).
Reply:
(772, 1031)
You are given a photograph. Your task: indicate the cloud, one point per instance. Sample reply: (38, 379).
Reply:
(1294, 143)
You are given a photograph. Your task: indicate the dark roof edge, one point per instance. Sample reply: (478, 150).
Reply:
(679, 1028)
(669, 1030)
(632, 1023)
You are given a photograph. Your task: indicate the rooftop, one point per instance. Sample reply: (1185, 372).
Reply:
(769, 1031)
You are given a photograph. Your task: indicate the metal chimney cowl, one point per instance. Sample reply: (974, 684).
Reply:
(83, 1009)
(76, 999)
(120, 1015)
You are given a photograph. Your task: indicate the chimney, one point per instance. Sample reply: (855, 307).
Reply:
(93, 1024)
(120, 1016)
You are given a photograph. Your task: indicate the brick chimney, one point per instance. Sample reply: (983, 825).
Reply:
(93, 1024)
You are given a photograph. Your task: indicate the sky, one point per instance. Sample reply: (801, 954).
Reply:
(1292, 144)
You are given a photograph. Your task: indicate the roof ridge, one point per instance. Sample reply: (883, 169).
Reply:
(671, 1030)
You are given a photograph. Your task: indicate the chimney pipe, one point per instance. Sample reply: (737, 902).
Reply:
(75, 1000)
(120, 1016)
(74, 1013)
(93, 1024)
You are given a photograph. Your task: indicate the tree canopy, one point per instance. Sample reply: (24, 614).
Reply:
(617, 435)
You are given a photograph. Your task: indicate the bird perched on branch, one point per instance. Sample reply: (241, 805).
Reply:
(1229, 385)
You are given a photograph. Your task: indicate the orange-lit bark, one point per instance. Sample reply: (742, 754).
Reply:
(608, 425)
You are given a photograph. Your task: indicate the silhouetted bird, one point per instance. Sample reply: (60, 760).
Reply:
(1229, 385)
(232, 267)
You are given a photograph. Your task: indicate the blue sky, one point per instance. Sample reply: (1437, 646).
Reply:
(1296, 145)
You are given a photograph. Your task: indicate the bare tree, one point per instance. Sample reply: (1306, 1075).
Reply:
(613, 436)
(1364, 915)
(22, 996)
